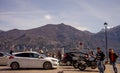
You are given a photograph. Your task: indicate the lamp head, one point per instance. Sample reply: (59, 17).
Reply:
(105, 24)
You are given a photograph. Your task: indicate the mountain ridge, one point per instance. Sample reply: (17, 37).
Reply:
(58, 36)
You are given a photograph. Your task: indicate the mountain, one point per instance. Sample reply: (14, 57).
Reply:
(113, 37)
(49, 36)
(1, 31)
(58, 36)
(88, 33)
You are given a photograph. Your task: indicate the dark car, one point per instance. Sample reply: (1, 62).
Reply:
(71, 57)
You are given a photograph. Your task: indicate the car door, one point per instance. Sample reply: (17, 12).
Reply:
(36, 60)
(24, 60)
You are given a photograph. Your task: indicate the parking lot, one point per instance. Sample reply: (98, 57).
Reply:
(65, 69)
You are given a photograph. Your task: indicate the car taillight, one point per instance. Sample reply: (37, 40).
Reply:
(65, 55)
(11, 57)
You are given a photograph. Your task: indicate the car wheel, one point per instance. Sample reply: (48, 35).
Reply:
(14, 66)
(47, 65)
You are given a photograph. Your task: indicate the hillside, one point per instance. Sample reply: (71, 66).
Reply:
(113, 36)
(58, 36)
(48, 36)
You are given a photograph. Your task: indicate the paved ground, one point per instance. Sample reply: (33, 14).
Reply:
(66, 69)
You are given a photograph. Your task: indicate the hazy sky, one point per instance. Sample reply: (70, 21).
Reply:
(82, 14)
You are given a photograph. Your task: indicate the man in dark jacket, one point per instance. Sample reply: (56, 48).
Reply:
(113, 57)
(100, 58)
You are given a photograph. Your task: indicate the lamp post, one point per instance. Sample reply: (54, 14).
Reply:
(106, 42)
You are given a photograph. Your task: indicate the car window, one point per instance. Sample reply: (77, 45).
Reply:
(70, 54)
(1, 55)
(6, 53)
(42, 55)
(23, 55)
(34, 55)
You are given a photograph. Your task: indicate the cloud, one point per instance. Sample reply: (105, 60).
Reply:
(21, 22)
(48, 17)
(22, 12)
(101, 11)
(81, 28)
(25, 15)
(81, 14)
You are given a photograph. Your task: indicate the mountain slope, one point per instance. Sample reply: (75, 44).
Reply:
(49, 36)
(58, 36)
(113, 37)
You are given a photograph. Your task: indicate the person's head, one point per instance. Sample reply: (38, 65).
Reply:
(111, 50)
(98, 49)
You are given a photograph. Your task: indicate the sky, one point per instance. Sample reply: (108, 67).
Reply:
(87, 15)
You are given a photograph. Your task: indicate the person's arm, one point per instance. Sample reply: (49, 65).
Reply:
(116, 56)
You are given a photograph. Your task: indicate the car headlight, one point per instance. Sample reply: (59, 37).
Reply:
(54, 60)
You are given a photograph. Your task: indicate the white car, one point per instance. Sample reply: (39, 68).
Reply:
(31, 60)
(4, 58)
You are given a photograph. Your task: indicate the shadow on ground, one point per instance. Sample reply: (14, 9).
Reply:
(8, 69)
(82, 71)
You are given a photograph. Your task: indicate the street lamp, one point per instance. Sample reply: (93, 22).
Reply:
(106, 42)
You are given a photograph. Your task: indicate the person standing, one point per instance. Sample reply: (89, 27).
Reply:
(12, 49)
(113, 57)
(100, 56)
(11, 52)
(59, 55)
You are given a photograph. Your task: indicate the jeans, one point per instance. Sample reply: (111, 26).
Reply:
(100, 66)
(114, 67)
